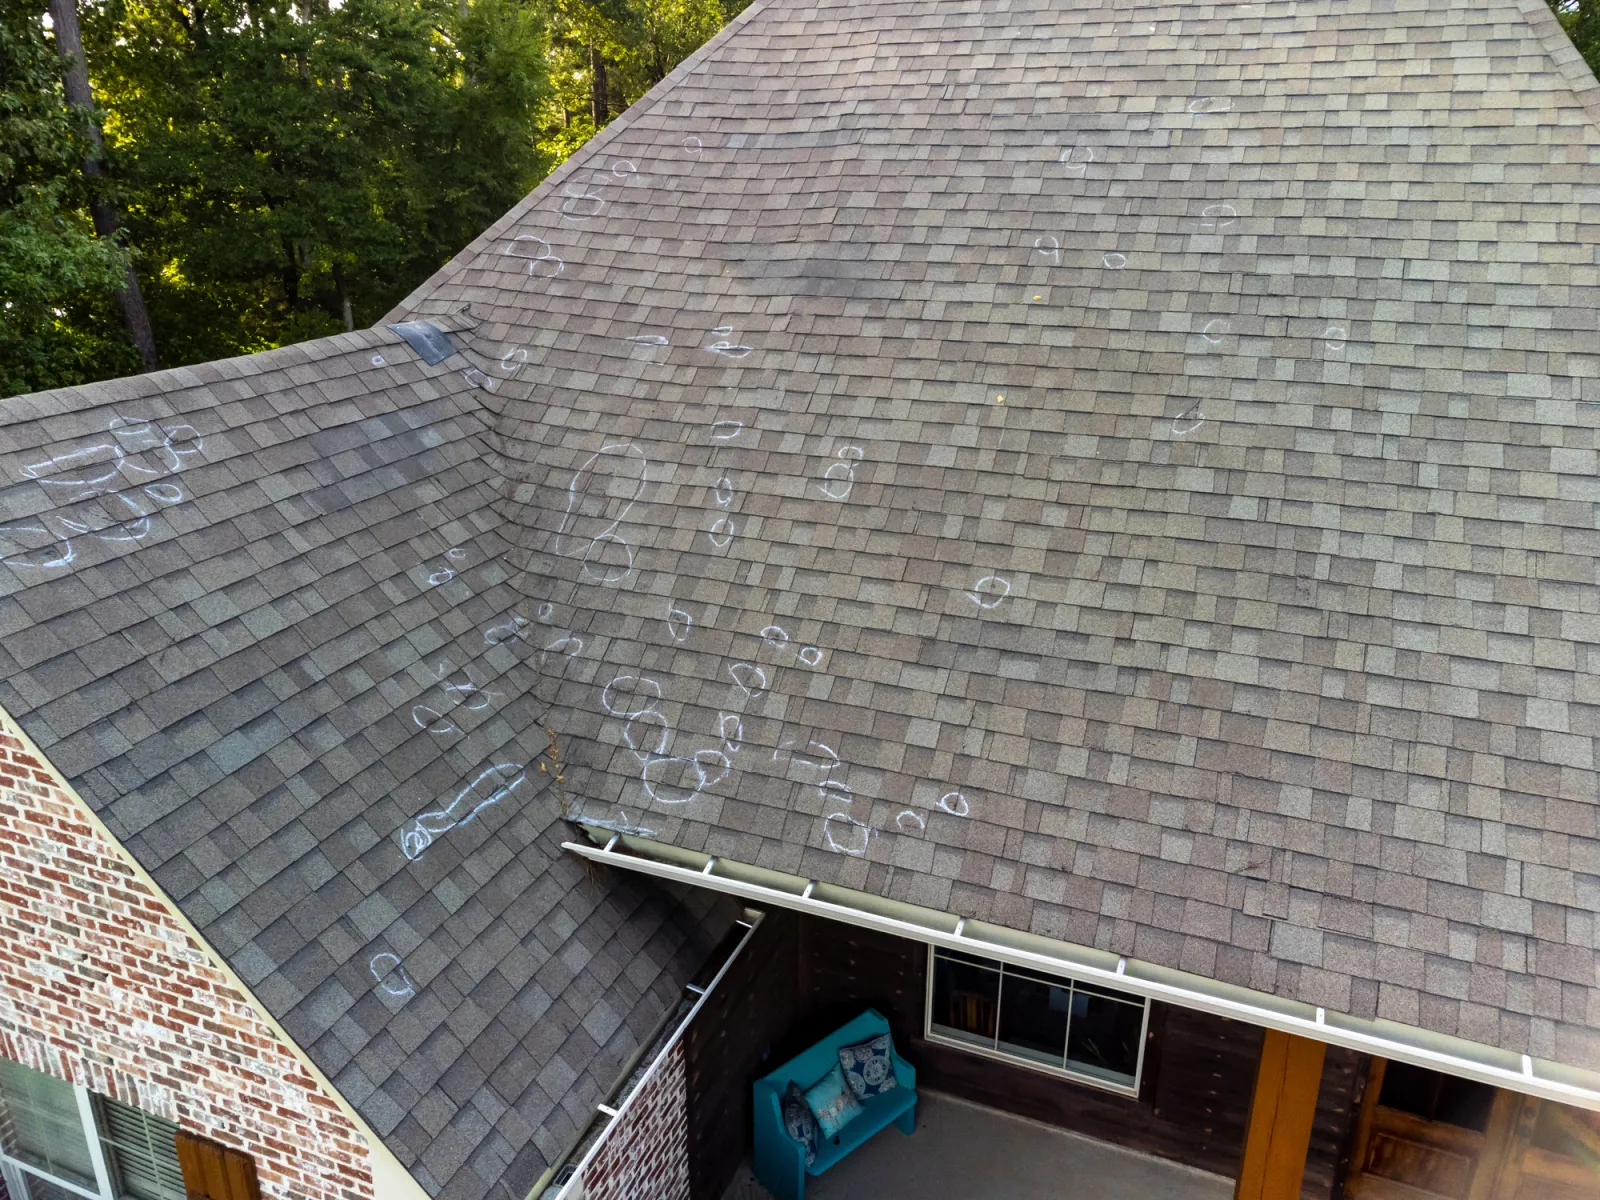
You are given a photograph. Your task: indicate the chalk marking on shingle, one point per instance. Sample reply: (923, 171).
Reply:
(391, 965)
(983, 592)
(420, 834)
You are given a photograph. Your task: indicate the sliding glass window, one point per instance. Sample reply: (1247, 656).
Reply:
(1084, 1031)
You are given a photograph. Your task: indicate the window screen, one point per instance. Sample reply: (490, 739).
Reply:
(42, 1126)
(1050, 1022)
(141, 1151)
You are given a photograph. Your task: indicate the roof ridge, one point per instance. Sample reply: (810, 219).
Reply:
(1573, 67)
(625, 120)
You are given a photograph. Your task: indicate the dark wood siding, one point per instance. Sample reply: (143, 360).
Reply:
(803, 977)
(727, 1045)
(1195, 1093)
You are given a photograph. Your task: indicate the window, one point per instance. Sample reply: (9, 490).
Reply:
(59, 1142)
(1090, 1033)
(1437, 1097)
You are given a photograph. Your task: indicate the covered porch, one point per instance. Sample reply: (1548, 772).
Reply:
(962, 1150)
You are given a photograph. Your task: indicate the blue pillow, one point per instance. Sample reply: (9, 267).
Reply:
(869, 1066)
(831, 1099)
(799, 1122)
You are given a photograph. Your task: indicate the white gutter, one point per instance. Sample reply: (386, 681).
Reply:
(573, 1188)
(1390, 1040)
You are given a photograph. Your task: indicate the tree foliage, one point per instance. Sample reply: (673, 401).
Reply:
(634, 43)
(55, 277)
(288, 168)
(292, 166)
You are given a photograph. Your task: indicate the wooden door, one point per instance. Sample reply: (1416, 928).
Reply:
(1466, 1141)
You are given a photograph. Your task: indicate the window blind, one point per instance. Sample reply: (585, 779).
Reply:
(142, 1152)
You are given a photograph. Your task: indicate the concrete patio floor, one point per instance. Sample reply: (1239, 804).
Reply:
(963, 1151)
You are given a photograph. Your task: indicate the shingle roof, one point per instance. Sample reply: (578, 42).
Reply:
(1121, 473)
(245, 613)
(1127, 474)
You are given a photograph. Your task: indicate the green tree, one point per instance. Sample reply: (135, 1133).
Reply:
(56, 277)
(1581, 20)
(606, 54)
(297, 168)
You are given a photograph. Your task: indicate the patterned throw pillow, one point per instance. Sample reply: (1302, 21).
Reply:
(869, 1066)
(800, 1122)
(830, 1098)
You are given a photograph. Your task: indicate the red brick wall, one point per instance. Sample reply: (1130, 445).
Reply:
(100, 985)
(645, 1156)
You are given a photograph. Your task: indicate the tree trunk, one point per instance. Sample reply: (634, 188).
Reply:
(129, 299)
(598, 105)
(344, 297)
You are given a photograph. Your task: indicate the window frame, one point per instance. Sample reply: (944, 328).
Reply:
(17, 1174)
(993, 1051)
(97, 1157)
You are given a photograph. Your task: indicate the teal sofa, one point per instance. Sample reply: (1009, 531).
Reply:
(780, 1161)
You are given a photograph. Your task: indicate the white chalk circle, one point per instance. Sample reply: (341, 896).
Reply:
(535, 250)
(732, 730)
(692, 146)
(1201, 105)
(819, 756)
(1050, 247)
(721, 534)
(580, 206)
(955, 804)
(856, 836)
(1216, 217)
(431, 720)
(391, 976)
(723, 493)
(1114, 260)
(1075, 160)
(498, 635)
(623, 168)
(901, 820)
(617, 471)
(680, 780)
(623, 695)
(772, 635)
(811, 656)
(678, 624)
(989, 591)
(749, 679)
(726, 431)
(377, 360)
(1214, 331)
(1334, 337)
(1188, 420)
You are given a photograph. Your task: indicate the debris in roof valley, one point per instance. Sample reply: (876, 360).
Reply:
(1125, 475)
